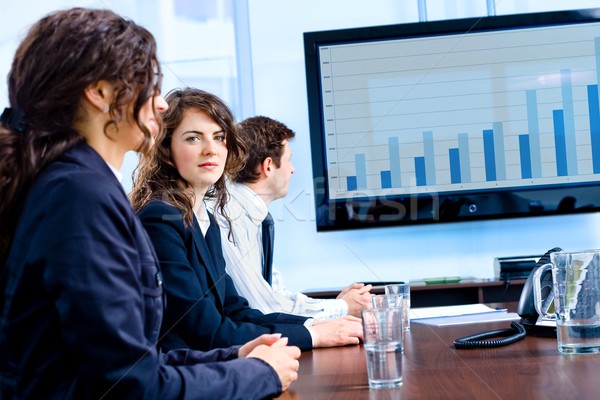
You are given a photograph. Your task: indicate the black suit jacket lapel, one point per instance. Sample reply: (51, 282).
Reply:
(215, 284)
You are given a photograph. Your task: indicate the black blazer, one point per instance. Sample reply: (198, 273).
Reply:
(204, 310)
(81, 303)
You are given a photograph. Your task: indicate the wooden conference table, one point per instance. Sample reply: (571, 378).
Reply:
(433, 369)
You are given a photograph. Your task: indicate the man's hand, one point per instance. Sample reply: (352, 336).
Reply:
(357, 296)
(281, 357)
(336, 332)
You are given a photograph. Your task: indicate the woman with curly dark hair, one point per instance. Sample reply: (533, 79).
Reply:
(81, 290)
(174, 180)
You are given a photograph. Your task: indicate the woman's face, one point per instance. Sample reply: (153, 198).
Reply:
(147, 113)
(146, 118)
(199, 150)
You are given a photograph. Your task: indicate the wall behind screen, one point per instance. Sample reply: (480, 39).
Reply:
(309, 259)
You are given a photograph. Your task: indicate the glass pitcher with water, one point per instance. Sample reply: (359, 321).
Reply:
(576, 287)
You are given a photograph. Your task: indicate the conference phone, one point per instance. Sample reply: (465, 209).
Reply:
(531, 323)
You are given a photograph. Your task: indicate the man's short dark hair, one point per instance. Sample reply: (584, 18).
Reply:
(263, 138)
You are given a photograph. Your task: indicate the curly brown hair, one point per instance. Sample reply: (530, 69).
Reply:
(264, 137)
(62, 54)
(156, 174)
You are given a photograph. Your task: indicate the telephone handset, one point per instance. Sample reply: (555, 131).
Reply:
(531, 319)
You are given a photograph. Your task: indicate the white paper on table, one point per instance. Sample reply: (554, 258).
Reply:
(452, 311)
(469, 319)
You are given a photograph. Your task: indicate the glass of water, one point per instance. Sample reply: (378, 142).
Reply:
(382, 329)
(401, 290)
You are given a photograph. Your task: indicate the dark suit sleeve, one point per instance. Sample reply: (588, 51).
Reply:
(194, 313)
(188, 356)
(237, 308)
(91, 265)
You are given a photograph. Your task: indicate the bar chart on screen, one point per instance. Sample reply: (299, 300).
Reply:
(490, 110)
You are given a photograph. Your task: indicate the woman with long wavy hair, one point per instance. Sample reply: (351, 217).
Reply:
(174, 180)
(81, 290)
(170, 192)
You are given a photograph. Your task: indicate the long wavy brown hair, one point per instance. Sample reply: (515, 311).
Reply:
(156, 175)
(61, 55)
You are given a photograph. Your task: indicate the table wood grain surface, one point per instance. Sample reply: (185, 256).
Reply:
(433, 369)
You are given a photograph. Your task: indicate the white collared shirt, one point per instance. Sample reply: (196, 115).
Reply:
(246, 211)
(202, 218)
(115, 171)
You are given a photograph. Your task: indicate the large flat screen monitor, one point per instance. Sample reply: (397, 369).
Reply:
(455, 120)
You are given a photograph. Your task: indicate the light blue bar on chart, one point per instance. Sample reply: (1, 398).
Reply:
(597, 53)
(559, 143)
(454, 156)
(499, 151)
(429, 157)
(594, 110)
(525, 156)
(534, 134)
(361, 171)
(464, 154)
(394, 150)
(420, 171)
(489, 155)
(569, 121)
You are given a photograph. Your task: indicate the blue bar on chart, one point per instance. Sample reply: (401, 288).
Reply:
(489, 155)
(499, 151)
(594, 110)
(534, 134)
(420, 171)
(569, 121)
(351, 183)
(560, 146)
(394, 151)
(361, 171)
(464, 155)
(525, 156)
(386, 179)
(454, 155)
(429, 157)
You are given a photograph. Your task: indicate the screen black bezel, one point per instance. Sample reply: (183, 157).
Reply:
(438, 207)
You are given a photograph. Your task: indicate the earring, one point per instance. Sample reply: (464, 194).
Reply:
(106, 108)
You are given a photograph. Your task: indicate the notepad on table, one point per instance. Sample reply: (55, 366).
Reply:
(461, 314)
